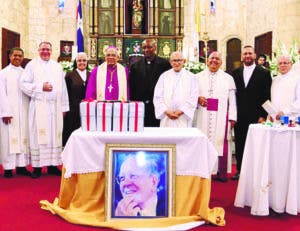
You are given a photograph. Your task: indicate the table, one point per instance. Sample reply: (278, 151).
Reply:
(270, 170)
(82, 193)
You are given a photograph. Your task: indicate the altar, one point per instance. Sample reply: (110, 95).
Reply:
(82, 192)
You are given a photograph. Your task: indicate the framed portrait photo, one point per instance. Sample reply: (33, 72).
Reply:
(139, 181)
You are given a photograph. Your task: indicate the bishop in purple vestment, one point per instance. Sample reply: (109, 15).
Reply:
(109, 80)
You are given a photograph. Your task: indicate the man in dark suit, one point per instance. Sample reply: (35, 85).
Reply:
(144, 75)
(253, 85)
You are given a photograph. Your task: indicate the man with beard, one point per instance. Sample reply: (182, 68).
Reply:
(253, 85)
(144, 75)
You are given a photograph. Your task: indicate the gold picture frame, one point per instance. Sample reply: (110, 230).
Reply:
(140, 181)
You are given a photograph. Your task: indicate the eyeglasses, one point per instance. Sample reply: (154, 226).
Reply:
(283, 63)
(176, 60)
(111, 55)
(132, 177)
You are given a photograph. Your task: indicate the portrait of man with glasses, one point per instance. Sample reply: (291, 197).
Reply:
(140, 188)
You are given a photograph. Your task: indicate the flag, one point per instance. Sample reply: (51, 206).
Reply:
(61, 5)
(213, 7)
(197, 16)
(79, 28)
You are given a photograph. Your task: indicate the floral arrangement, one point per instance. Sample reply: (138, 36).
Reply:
(281, 50)
(68, 66)
(194, 67)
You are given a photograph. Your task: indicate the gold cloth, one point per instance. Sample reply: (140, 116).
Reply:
(82, 201)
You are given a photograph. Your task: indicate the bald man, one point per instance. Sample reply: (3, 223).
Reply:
(217, 109)
(109, 80)
(175, 95)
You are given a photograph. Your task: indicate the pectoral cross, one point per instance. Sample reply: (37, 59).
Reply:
(110, 87)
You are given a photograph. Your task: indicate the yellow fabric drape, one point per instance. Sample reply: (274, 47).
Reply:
(82, 201)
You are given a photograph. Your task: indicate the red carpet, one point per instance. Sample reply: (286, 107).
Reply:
(20, 196)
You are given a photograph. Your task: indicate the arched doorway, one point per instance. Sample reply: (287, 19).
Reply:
(233, 50)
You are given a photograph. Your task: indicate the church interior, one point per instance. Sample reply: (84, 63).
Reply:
(196, 28)
(187, 26)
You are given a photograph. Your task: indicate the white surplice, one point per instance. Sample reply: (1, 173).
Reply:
(221, 86)
(285, 93)
(14, 136)
(176, 91)
(45, 110)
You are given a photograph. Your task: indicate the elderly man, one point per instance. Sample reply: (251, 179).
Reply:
(43, 81)
(139, 180)
(175, 95)
(109, 80)
(13, 124)
(144, 75)
(285, 89)
(253, 85)
(217, 107)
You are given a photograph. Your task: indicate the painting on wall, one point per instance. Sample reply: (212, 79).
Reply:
(106, 22)
(165, 47)
(166, 23)
(66, 48)
(166, 4)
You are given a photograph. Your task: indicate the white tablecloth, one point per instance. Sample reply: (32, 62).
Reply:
(195, 155)
(270, 173)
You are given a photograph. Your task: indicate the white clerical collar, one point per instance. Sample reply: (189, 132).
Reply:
(82, 74)
(286, 74)
(178, 73)
(43, 61)
(250, 67)
(14, 67)
(212, 73)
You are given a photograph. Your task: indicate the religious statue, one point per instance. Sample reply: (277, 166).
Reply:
(137, 14)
